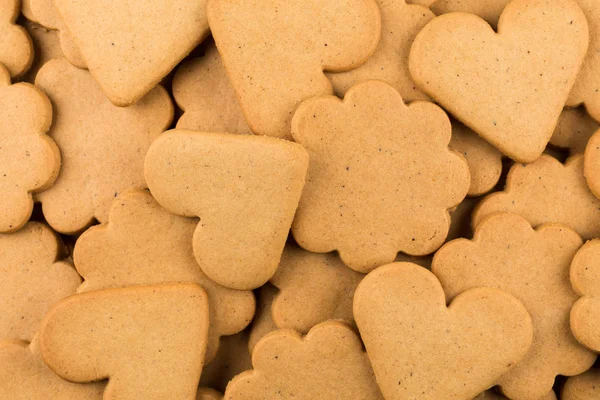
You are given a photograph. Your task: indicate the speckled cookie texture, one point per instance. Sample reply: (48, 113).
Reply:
(16, 49)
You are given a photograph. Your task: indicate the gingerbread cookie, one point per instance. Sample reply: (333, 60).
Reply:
(574, 129)
(30, 159)
(485, 162)
(263, 319)
(400, 23)
(149, 341)
(547, 191)
(102, 146)
(585, 275)
(232, 358)
(328, 363)
(486, 79)
(144, 244)
(373, 152)
(489, 10)
(591, 164)
(33, 279)
(313, 288)
(421, 349)
(288, 44)
(230, 181)
(533, 265)
(202, 90)
(130, 46)
(16, 49)
(24, 376)
(582, 387)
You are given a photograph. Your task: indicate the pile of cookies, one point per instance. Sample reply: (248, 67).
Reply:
(299, 199)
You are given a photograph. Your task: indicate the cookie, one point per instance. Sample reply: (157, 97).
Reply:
(313, 288)
(24, 376)
(489, 10)
(232, 358)
(585, 90)
(263, 322)
(208, 394)
(547, 191)
(419, 348)
(585, 272)
(148, 341)
(144, 244)
(30, 159)
(102, 146)
(130, 46)
(230, 181)
(400, 23)
(373, 152)
(47, 47)
(202, 90)
(268, 45)
(582, 387)
(506, 253)
(16, 49)
(485, 162)
(574, 129)
(591, 164)
(486, 79)
(328, 363)
(33, 279)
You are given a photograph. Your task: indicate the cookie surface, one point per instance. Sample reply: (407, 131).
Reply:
(591, 164)
(582, 387)
(484, 79)
(573, 130)
(230, 181)
(16, 49)
(372, 151)
(419, 348)
(289, 44)
(489, 10)
(506, 253)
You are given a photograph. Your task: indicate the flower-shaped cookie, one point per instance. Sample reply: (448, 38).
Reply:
(381, 177)
(16, 49)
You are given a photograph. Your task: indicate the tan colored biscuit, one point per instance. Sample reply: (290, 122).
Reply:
(46, 43)
(328, 363)
(16, 49)
(547, 191)
(486, 79)
(208, 394)
(400, 23)
(30, 159)
(506, 253)
(232, 358)
(102, 146)
(421, 349)
(489, 10)
(313, 288)
(144, 244)
(491, 395)
(381, 177)
(24, 376)
(574, 129)
(485, 162)
(587, 86)
(585, 276)
(33, 279)
(202, 90)
(591, 164)
(245, 189)
(582, 387)
(263, 322)
(276, 58)
(129, 46)
(148, 341)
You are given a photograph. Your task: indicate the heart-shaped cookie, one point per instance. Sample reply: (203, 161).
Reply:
(421, 349)
(508, 87)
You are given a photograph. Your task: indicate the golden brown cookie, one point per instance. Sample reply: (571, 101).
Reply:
(24, 376)
(421, 349)
(129, 46)
(574, 129)
(591, 164)
(30, 160)
(33, 279)
(232, 358)
(102, 146)
(262, 323)
(547, 191)
(328, 363)
(533, 265)
(244, 188)
(202, 90)
(582, 387)
(276, 58)
(489, 10)
(381, 177)
(400, 23)
(149, 341)
(144, 244)
(16, 49)
(508, 87)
